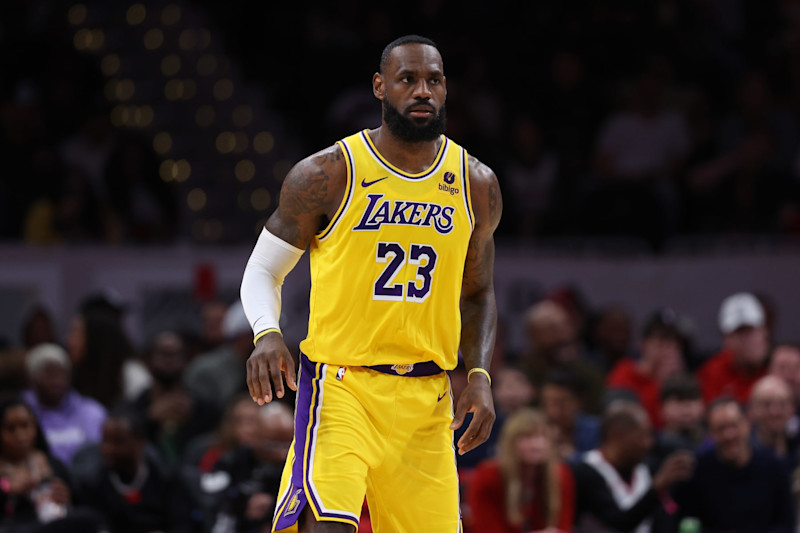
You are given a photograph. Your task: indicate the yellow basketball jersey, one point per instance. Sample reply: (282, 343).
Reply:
(386, 272)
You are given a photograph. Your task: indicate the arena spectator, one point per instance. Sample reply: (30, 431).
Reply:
(246, 480)
(98, 348)
(173, 416)
(735, 369)
(610, 337)
(531, 176)
(217, 376)
(615, 490)
(575, 431)
(512, 391)
(785, 363)
(35, 495)
(682, 411)
(212, 315)
(37, 328)
(553, 343)
(660, 356)
(736, 487)
(639, 150)
(527, 488)
(143, 205)
(132, 489)
(68, 420)
(237, 429)
(770, 411)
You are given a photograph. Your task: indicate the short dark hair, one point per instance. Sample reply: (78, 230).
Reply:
(682, 387)
(721, 402)
(400, 41)
(566, 379)
(136, 420)
(664, 323)
(621, 415)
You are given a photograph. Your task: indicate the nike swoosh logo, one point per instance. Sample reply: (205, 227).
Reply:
(365, 183)
(442, 396)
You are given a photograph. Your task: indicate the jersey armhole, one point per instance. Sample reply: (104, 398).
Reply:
(348, 195)
(467, 193)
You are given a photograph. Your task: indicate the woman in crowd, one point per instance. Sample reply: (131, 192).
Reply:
(34, 494)
(103, 361)
(526, 488)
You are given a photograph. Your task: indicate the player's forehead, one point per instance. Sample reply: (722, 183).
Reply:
(414, 57)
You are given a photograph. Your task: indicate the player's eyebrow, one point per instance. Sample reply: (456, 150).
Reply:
(432, 72)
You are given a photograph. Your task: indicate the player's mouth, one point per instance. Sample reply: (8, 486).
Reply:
(421, 111)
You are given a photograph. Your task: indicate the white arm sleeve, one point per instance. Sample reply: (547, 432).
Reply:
(272, 259)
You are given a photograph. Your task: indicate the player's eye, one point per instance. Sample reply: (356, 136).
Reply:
(435, 81)
(407, 79)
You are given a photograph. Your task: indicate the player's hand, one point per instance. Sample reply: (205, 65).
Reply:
(476, 398)
(269, 359)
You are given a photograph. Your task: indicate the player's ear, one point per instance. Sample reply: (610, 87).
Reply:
(378, 88)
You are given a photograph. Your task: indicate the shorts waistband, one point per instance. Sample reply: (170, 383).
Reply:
(412, 370)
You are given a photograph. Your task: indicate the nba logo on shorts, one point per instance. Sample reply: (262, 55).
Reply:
(340, 373)
(403, 369)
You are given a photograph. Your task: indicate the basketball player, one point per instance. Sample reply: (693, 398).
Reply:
(400, 222)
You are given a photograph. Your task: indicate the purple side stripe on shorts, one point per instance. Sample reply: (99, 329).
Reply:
(304, 391)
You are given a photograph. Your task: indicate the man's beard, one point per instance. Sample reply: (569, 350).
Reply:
(408, 130)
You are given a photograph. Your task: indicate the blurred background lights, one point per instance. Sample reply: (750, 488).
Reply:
(196, 199)
(260, 199)
(245, 170)
(135, 14)
(226, 142)
(153, 39)
(263, 142)
(223, 89)
(162, 142)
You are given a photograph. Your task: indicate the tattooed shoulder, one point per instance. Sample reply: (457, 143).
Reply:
(314, 183)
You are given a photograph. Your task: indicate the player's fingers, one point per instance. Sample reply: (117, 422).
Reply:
(290, 372)
(277, 379)
(263, 380)
(458, 417)
(252, 380)
(466, 442)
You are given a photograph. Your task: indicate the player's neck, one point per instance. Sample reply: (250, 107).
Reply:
(412, 158)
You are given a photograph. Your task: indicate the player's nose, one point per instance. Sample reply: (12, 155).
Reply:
(422, 89)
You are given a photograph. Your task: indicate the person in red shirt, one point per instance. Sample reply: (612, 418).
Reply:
(526, 488)
(742, 361)
(662, 356)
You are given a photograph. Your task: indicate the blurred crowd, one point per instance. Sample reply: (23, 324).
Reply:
(644, 119)
(599, 428)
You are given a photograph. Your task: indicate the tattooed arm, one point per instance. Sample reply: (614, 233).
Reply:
(478, 308)
(310, 196)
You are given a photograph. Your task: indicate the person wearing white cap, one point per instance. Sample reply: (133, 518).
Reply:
(742, 361)
(69, 420)
(219, 375)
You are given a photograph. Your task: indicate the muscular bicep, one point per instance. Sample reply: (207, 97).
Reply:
(309, 196)
(487, 205)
